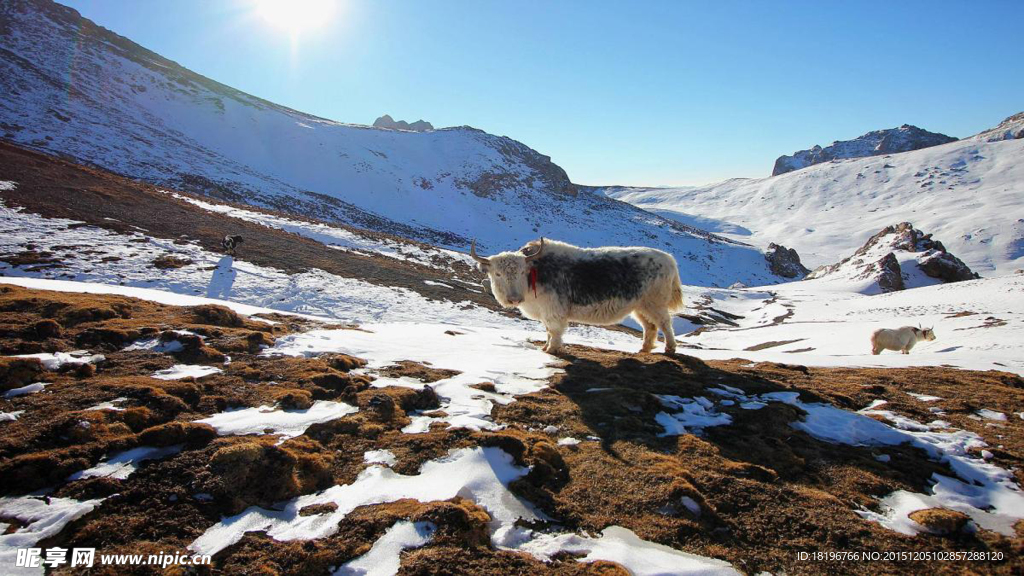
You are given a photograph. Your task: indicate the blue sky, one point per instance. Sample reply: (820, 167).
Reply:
(641, 93)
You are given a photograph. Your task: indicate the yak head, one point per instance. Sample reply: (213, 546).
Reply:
(509, 273)
(926, 333)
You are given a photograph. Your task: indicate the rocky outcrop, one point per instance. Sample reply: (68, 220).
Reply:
(386, 121)
(890, 141)
(1010, 129)
(785, 262)
(886, 256)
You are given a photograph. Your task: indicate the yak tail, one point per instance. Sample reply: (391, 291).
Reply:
(675, 303)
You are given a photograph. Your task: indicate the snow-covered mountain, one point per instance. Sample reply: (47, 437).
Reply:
(78, 90)
(876, 143)
(966, 193)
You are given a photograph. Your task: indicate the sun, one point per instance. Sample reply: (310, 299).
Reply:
(296, 16)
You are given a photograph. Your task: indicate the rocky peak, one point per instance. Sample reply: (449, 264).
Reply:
(386, 121)
(898, 257)
(785, 262)
(889, 141)
(1010, 129)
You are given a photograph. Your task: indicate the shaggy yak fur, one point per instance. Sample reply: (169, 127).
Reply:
(557, 283)
(901, 339)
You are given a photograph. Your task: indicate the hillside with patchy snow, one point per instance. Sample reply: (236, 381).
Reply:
(78, 90)
(967, 194)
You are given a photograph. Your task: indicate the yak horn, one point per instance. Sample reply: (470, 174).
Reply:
(536, 254)
(480, 259)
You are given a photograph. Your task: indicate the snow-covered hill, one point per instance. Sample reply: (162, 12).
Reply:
(73, 88)
(875, 143)
(966, 193)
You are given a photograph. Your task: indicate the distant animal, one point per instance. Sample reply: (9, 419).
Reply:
(901, 339)
(232, 242)
(557, 283)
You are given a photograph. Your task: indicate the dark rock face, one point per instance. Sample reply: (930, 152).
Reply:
(890, 275)
(890, 141)
(785, 262)
(937, 262)
(386, 121)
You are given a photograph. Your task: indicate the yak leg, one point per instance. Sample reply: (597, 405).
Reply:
(650, 331)
(664, 321)
(555, 327)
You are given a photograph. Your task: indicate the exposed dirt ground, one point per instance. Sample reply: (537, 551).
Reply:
(766, 490)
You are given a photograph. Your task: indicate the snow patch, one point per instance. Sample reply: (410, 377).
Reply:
(179, 371)
(123, 464)
(620, 545)
(270, 420)
(109, 405)
(10, 416)
(54, 360)
(380, 457)
(502, 357)
(42, 518)
(29, 389)
(478, 474)
(384, 558)
(689, 416)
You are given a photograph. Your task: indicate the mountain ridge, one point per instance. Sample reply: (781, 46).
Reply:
(966, 192)
(904, 138)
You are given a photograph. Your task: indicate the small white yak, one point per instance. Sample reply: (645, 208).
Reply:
(558, 283)
(900, 339)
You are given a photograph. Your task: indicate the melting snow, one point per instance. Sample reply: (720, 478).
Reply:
(123, 464)
(109, 405)
(270, 420)
(924, 397)
(29, 389)
(991, 414)
(8, 185)
(179, 371)
(42, 520)
(503, 357)
(690, 414)
(479, 474)
(10, 416)
(384, 558)
(640, 557)
(54, 360)
(983, 491)
(568, 441)
(380, 457)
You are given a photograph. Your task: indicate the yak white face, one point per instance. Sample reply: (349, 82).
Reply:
(928, 334)
(508, 274)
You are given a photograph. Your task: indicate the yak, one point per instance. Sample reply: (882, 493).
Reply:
(557, 283)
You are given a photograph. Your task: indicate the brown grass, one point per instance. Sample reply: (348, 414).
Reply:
(766, 491)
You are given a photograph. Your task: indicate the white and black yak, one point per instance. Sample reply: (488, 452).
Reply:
(557, 283)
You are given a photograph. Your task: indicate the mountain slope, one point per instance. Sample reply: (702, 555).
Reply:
(889, 141)
(78, 90)
(967, 193)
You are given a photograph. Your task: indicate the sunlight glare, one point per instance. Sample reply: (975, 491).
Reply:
(296, 15)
